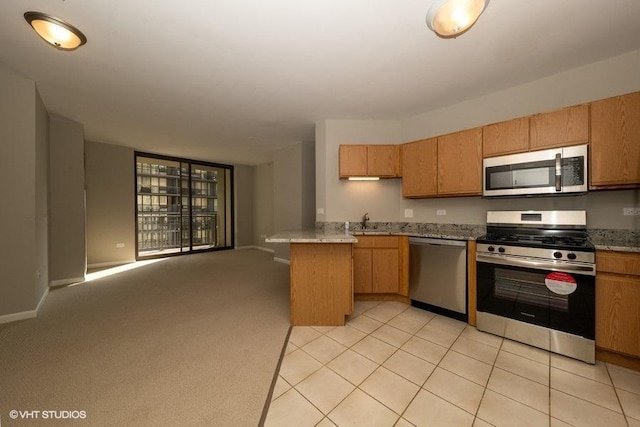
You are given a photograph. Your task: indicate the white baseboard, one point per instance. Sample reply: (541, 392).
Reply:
(23, 315)
(261, 248)
(42, 299)
(62, 282)
(282, 260)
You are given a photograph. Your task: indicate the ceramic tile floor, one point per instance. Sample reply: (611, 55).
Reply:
(395, 365)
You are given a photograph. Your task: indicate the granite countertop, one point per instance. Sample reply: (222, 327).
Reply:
(311, 236)
(437, 231)
(615, 240)
(602, 239)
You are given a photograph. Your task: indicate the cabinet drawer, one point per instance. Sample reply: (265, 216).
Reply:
(377, 242)
(386, 242)
(363, 242)
(618, 262)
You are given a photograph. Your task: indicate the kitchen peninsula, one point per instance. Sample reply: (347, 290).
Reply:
(321, 276)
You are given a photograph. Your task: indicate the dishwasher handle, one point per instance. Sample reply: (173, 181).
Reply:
(427, 241)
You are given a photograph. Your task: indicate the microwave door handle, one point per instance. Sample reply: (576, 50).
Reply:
(558, 172)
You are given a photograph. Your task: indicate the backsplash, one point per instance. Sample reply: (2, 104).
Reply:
(603, 238)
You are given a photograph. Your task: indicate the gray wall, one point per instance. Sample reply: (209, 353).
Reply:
(244, 181)
(343, 200)
(110, 204)
(294, 195)
(23, 221)
(263, 204)
(41, 199)
(67, 239)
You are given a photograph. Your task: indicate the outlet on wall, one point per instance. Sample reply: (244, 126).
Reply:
(441, 212)
(408, 213)
(630, 211)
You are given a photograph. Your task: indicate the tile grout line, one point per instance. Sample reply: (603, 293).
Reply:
(493, 366)
(449, 349)
(356, 387)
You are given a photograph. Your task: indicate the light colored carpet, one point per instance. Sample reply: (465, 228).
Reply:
(188, 341)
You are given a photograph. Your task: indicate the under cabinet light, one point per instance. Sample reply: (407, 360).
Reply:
(364, 178)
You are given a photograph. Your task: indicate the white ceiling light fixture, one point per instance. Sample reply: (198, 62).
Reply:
(55, 31)
(450, 18)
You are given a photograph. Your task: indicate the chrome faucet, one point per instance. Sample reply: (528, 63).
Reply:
(365, 218)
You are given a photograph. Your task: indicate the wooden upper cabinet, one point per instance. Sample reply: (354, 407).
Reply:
(353, 160)
(368, 160)
(560, 128)
(460, 163)
(615, 142)
(420, 168)
(382, 160)
(507, 137)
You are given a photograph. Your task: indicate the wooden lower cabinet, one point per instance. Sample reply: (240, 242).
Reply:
(321, 282)
(381, 265)
(618, 302)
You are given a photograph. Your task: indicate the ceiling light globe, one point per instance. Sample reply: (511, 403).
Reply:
(449, 18)
(54, 31)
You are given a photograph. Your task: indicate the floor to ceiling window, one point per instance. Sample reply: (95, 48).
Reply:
(182, 205)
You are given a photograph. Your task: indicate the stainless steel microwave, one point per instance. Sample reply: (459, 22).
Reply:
(545, 172)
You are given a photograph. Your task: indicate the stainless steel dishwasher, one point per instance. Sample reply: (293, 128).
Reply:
(438, 276)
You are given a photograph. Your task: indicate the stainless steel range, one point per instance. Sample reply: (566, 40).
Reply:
(536, 280)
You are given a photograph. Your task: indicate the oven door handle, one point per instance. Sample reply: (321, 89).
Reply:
(539, 265)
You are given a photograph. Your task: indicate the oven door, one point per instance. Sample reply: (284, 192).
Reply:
(540, 293)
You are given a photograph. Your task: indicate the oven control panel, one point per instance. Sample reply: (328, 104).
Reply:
(542, 253)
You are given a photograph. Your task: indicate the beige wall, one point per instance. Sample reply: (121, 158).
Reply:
(294, 191)
(244, 181)
(23, 219)
(110, 204)
(41, 199)
(343, 200)
(67, 239)
(263, 204)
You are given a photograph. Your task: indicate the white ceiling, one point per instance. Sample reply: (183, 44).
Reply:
(230, 81)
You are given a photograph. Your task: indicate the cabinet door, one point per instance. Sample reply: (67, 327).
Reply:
(420, 168)
(362, 270)
(386, 270)
(353, 160)
(382, 160)
(507, 137)
(615, 141)
(617, 314)
(460, 163)
(569, 126)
